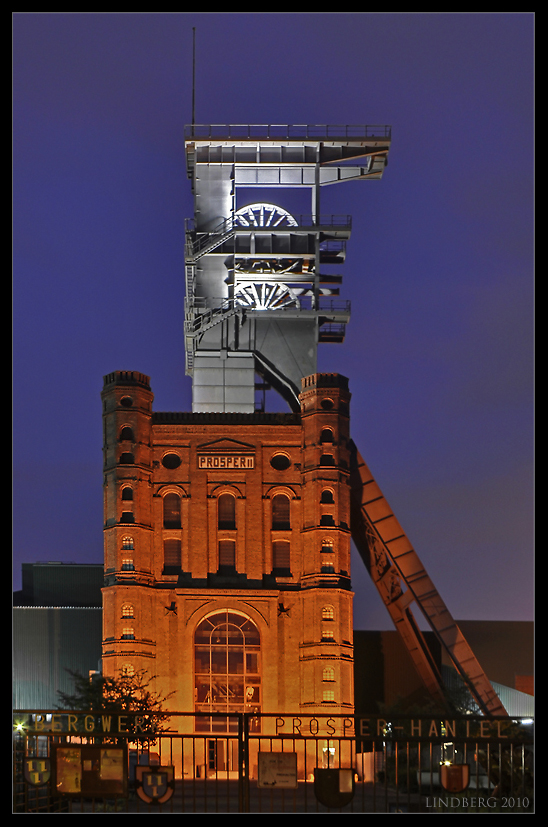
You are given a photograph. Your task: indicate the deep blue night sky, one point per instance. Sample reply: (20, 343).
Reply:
(439, 350)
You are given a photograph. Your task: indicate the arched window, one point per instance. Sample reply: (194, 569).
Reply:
(127, 610)
(328, 674)
(127, 564)
(127, 517)
(127, 544)
(326, 435)
(126, 459)
(127, 493)
(126, 434)
(227, 669)
(328, 613)
(327, 496)
(172, 511)
(280, 513)
(226, 512)
(127, 670)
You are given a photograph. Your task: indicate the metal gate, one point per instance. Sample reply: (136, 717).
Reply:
(84, 762)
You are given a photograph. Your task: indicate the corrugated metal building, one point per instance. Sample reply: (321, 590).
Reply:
(57, 625)
(517, 704)
(46, 642)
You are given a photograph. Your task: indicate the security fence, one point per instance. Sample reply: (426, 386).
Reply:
(84, 762)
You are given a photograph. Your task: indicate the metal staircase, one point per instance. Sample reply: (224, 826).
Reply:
(401, 580)
(205, 243)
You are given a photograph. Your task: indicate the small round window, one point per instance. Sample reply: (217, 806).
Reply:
(280, 462)
(126, 401)
(171, 461)
(327, 404)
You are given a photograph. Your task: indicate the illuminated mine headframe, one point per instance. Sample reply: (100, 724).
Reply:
(256, 298)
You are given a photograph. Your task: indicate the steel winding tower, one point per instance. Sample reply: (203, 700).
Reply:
(257, 300)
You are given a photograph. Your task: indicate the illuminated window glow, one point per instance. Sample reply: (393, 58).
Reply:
(226, 670)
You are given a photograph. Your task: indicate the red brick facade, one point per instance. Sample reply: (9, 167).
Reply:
(239, 522)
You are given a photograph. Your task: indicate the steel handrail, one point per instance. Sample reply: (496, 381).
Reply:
(303, 220)
(286, 131)
(232, 225)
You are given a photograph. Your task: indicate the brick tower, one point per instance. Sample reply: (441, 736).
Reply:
(231, 528)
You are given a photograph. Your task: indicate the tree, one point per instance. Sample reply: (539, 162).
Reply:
(126, 694)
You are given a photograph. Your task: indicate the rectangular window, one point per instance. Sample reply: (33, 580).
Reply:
(281, 558)
(227, 554)
(227, 512)
(172, 554)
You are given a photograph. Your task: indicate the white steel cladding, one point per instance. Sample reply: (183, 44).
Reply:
(260, 291)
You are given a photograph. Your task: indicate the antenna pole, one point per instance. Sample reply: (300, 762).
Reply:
(193, 70)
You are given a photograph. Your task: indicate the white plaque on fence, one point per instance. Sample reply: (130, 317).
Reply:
(277, 770)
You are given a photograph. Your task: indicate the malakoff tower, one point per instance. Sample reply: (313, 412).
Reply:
(227, 529)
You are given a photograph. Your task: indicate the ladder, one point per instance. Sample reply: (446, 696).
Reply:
(401, 579)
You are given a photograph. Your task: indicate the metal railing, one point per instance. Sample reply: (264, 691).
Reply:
(199, 317)
(286, 131)
(254, 762)
(198, 244)
(309, 221)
